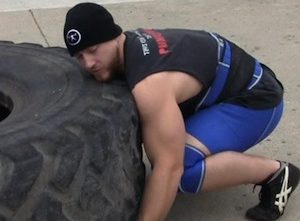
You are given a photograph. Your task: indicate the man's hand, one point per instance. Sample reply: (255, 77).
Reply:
(164, 138)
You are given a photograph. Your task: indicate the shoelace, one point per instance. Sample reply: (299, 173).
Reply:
(284, 192)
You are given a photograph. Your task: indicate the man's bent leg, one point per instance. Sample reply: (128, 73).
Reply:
(225, 131)
(224, 169)
(229, 169)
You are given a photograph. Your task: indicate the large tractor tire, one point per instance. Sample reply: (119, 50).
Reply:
(70, 148)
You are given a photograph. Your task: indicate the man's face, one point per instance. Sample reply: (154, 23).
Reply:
(101, 60)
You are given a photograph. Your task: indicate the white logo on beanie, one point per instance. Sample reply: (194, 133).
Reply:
(73, 37)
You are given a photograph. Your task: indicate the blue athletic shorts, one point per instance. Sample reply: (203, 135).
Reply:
(229, 127)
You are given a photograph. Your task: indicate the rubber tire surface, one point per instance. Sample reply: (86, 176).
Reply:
(70, 150)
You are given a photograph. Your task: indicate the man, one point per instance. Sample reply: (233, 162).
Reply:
(202, 102)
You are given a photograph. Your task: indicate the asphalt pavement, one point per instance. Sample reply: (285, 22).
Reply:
(268, 29)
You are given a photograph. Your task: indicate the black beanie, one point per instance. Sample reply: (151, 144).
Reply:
(88, 24)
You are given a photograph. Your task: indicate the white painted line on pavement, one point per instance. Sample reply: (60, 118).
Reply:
(20, 5)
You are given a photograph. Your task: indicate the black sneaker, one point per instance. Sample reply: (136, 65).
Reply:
(275, 193)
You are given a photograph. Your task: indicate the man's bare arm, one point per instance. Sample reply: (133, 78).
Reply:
(164, 138)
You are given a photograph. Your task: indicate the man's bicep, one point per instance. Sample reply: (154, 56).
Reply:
(163, 127)
(164, 136)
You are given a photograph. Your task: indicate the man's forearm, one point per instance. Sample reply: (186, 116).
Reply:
(159, 194)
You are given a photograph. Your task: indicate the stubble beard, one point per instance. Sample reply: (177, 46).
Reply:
(116, 70)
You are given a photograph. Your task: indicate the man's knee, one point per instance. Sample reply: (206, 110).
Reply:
(194, 170)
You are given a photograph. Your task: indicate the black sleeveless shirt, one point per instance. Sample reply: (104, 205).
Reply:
(149, 51)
